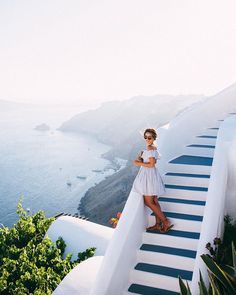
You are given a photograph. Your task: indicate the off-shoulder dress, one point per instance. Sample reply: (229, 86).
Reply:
(148, 181)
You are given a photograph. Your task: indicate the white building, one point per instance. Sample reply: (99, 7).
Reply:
(198, 166)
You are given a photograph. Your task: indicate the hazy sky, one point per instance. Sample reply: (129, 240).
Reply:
(68, 51)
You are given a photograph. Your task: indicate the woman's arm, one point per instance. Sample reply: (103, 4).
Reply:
(150, 164)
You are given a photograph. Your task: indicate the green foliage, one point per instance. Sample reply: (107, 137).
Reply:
(184, 290)
(222, 278)
(30, 263)
(221, 265)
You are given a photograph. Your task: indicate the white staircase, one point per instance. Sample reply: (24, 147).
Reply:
(163, 257)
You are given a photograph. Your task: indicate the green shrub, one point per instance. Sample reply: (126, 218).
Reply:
(222, 278)
(30, 263)
(221, 264)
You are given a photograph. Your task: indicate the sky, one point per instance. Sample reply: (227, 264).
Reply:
(71, 51)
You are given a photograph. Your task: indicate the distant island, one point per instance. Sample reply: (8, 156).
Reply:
(42, 127)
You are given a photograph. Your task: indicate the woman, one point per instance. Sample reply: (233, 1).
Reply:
(149, 183)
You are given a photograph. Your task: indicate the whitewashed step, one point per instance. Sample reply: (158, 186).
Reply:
(188, 181)
(129, 293)
(168, 260)
(126, 292)
(199, 151)
(210, 131)
(203, 140)
(154, 280)
(169, 241)
(184, 168)
(179, 224)
(185, 194)
(181, 207)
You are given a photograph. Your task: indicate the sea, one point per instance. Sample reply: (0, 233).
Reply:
(47, 170)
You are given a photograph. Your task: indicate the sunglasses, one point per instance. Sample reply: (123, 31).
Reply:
(148, 137)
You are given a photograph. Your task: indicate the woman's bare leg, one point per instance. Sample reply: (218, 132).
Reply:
(158, 222)
(154, 205)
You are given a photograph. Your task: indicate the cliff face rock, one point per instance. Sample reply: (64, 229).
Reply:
(108, 197)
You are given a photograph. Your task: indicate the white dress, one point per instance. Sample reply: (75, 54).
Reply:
(148, 181)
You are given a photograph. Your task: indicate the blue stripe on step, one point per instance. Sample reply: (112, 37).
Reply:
(207, 136)
(182, 216)
(164, 270)
(192, 160)
(188, 175)
(169, 250)
(177, 233)
(202, 146)
(189, 188)
(183, 201)
(147, 290)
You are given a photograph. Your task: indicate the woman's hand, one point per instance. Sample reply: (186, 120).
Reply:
(140, 158)
(137, 163)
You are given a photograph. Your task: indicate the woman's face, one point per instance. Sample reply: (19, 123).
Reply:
(148, 138)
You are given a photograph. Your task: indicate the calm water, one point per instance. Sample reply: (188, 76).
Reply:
(38, 164)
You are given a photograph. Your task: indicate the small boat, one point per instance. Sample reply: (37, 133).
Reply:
(96, 170)
(81, 177)
(69, 183)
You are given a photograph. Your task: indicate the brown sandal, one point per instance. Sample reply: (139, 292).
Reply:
(168, 228)
(157, 226)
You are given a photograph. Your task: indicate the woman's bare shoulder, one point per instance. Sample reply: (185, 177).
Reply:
(151, 148)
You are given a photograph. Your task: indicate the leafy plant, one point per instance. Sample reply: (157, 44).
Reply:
(221, 264)
(222, 277)
(30, 263)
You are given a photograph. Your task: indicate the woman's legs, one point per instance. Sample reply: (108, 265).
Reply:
(153, 204)
(158, 224)
(158, 221)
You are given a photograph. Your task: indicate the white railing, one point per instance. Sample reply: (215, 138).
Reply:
(213, 220)
(120, 255)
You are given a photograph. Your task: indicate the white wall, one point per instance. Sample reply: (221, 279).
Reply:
(217, 201)
(80, 280)
(121, 253)
(80, 234)
(231, 185)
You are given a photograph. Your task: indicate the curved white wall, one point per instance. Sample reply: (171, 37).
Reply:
(80, 234)
(80, 280)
